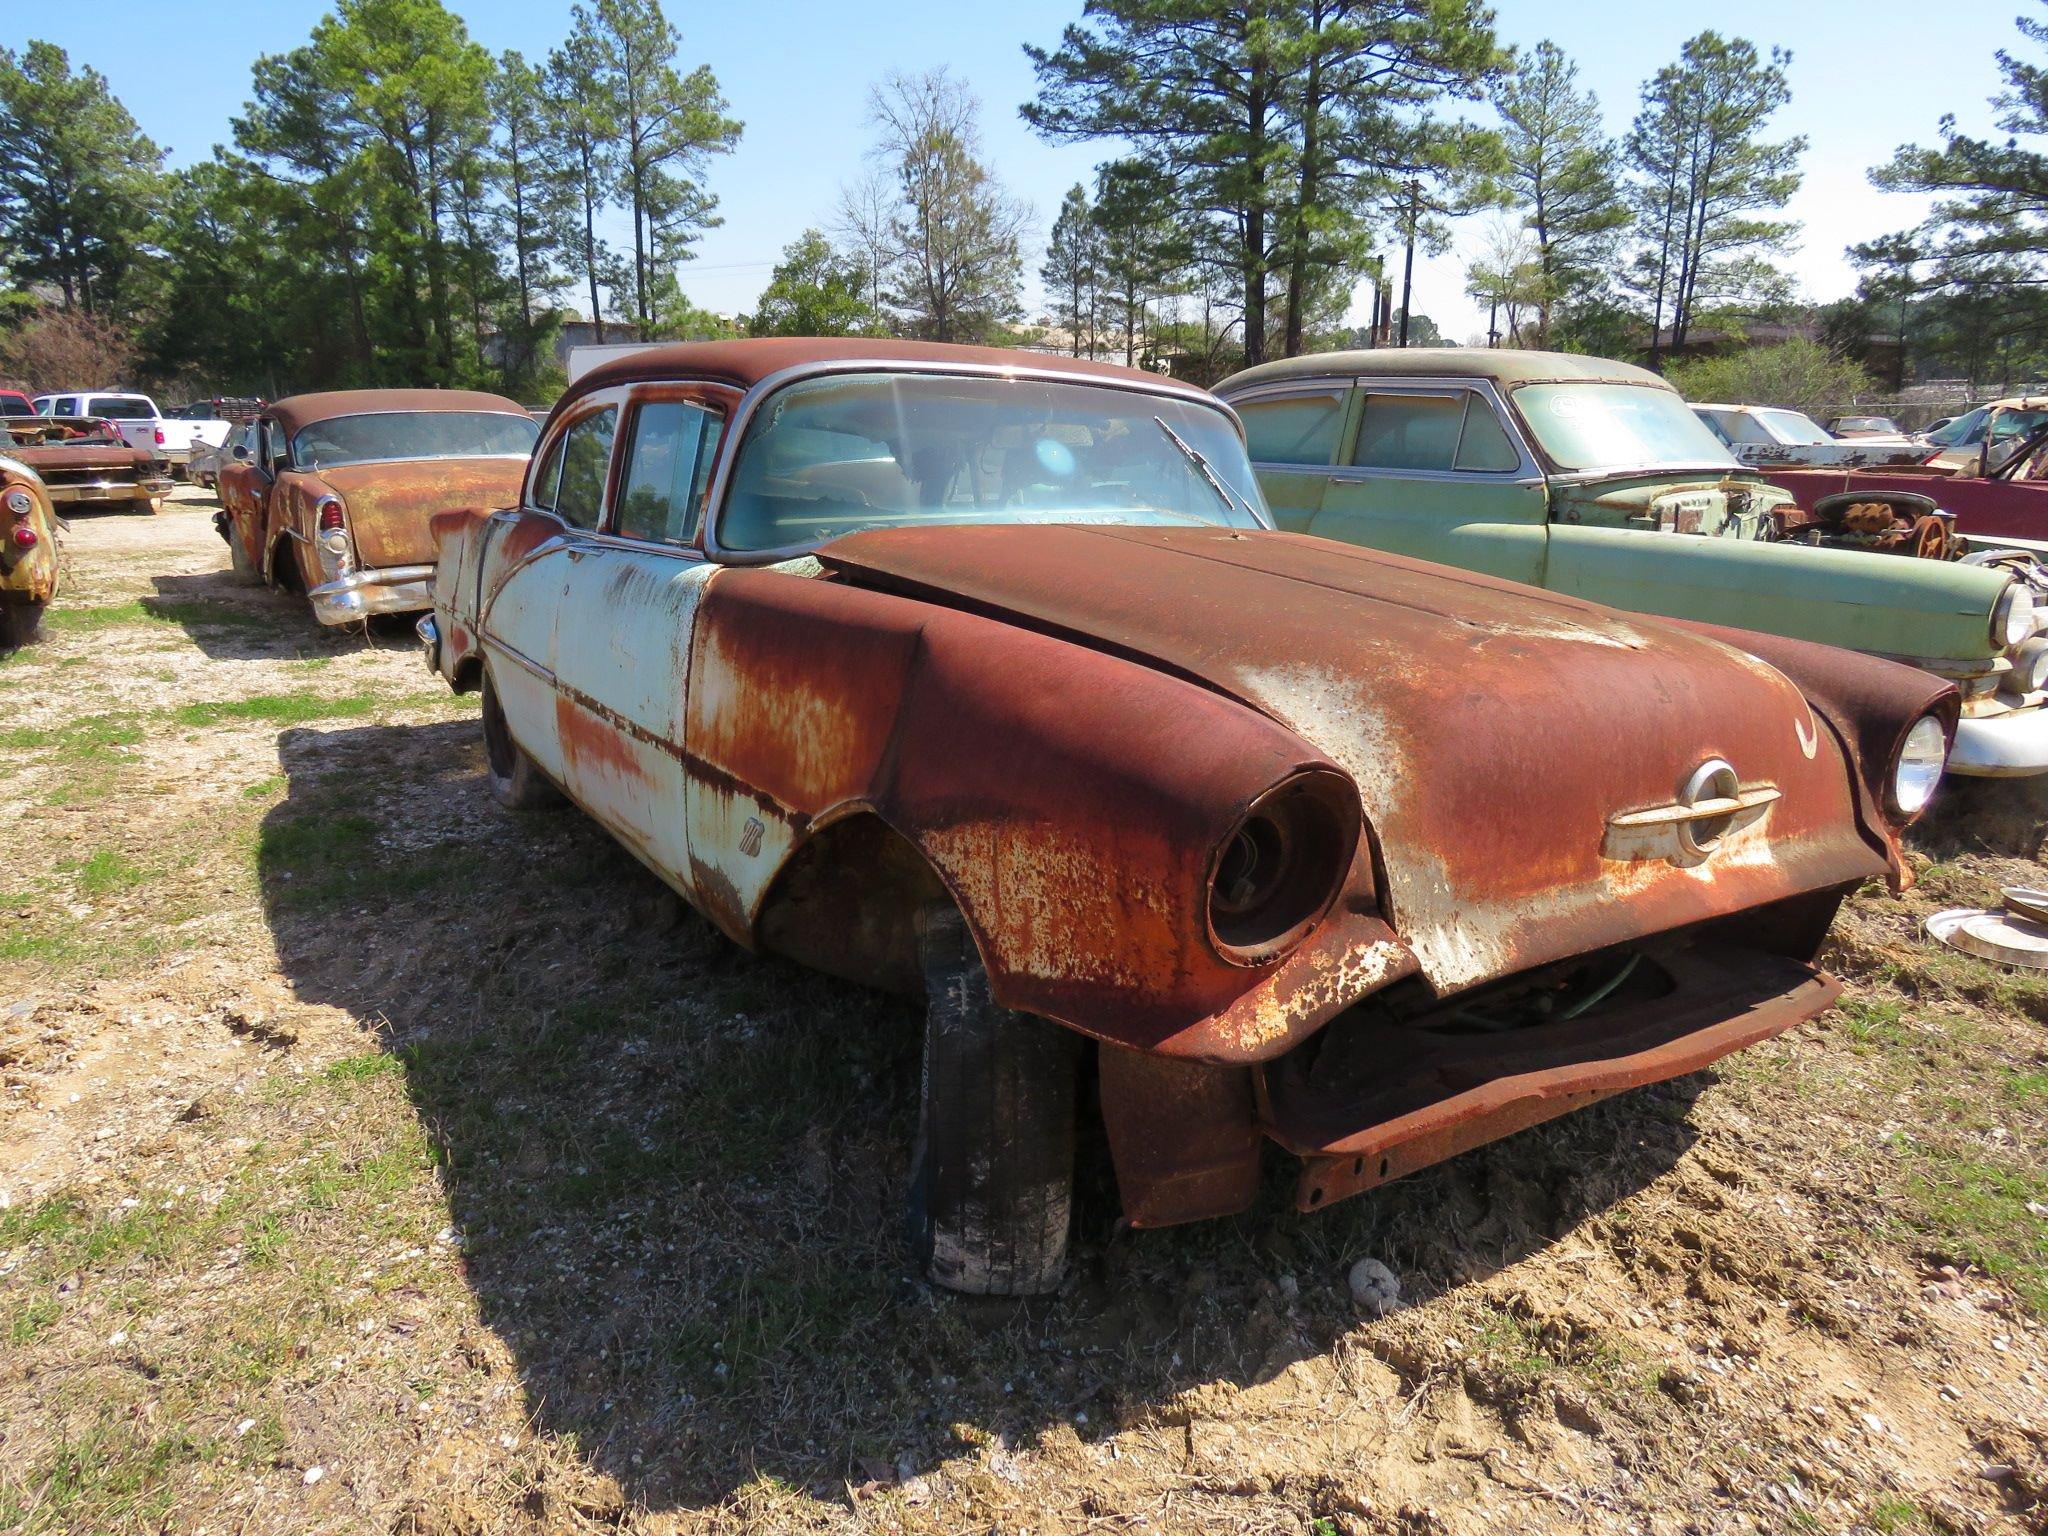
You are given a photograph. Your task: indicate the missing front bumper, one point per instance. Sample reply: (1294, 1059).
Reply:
(1434, 1094)
(1377, 1098)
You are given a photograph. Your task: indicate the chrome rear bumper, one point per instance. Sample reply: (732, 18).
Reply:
(395, 589)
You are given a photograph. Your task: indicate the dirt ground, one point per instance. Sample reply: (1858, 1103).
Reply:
(374, 1160)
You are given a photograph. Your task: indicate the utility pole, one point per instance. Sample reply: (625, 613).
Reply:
(1408, 266)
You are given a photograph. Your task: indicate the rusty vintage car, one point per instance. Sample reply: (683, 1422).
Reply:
(332, 494)
(84, 461)
(986, 678)
(29, 567)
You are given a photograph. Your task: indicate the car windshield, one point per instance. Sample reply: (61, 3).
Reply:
(833, 455)
(387, 435)
(1961, 430)
(1617, 426)
(1793, 427)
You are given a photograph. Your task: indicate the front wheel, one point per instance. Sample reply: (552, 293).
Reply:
(516, 781)
(992, 1176)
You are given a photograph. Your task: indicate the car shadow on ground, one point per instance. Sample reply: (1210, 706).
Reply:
(232, 618)
(675, 1170)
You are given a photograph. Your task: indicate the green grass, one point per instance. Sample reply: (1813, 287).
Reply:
(106, 871)
(280, 708)
(90, 739)
(1975, 1211)
(69, 620)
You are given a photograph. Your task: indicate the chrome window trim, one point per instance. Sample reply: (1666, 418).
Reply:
(750, 403)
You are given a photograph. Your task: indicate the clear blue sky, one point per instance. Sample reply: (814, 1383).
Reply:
(1867, 76)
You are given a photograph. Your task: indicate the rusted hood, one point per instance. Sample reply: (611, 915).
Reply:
(390, 506)
(1493, 730)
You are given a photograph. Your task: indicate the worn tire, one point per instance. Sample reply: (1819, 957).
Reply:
(19, 623)
(516, 782)
(992, 1175)
(238, 558)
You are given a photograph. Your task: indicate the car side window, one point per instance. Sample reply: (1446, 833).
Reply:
(64, 405)
(1293, 429)
(548, 477)
(1484, 446)
(586, 456)
(1414, 432)
(668, 466)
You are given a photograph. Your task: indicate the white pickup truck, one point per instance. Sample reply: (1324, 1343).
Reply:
(141, 424)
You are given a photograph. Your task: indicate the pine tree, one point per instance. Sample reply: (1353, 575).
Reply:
(1071, 272)
(78, 180)
(1560, 172)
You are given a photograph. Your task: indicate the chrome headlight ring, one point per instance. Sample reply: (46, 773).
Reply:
(1917, 767)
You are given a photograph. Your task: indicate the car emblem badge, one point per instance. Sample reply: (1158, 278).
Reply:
(750, 836)
(1808, 734)
(1711, 803)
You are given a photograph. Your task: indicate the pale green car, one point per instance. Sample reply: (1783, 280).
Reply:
(1594, 478)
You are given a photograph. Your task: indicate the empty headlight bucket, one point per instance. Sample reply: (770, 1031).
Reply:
(1917, 767)
(1275, 875)
(19, 502)
(2029, 667)
(2013, 619)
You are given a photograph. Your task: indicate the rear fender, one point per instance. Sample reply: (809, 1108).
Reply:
(1071, 804)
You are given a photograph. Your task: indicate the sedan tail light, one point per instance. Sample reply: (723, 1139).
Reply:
(330, 515)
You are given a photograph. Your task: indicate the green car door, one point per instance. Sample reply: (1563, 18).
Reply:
(1429, 469)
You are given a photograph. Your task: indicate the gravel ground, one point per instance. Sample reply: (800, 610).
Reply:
(374, 1160)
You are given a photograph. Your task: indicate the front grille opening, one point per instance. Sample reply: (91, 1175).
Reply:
(1617, 979)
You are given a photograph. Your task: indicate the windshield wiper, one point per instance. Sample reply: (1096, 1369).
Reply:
(1207, 471)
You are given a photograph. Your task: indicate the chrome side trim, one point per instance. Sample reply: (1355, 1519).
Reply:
(517, 657)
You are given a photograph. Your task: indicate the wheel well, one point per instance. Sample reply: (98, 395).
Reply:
(468, 675)
(847, 901)
(284, 567)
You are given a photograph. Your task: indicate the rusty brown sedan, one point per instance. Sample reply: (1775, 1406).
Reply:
(333, 494)
(985, 678)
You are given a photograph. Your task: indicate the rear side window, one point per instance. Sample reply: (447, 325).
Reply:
(544, 481)
(64, 405)
(114, 408)
(586, 455)
(667, 469)
(1458, 430)
(1292, 429)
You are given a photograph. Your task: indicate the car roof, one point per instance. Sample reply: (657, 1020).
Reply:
(296, 411)
(746, 362)
(1505, 365)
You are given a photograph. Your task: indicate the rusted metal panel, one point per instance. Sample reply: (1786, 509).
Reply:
(28, 575)
(1427, 1094)
(390, 507)
(1072, 802)
(1184, 1136)
(1452, 700)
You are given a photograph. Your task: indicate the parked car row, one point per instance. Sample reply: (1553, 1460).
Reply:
(989, 679)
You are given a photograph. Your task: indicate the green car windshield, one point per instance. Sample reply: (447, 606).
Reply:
(1618, 426)
(833, 455)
